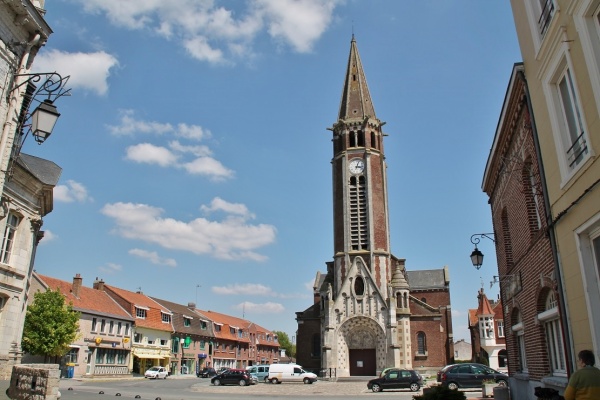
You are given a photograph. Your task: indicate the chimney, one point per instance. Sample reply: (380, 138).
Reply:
(77, 281)
(98, 284)
(191, 305)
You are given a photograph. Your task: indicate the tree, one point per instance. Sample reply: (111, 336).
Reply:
(284, 343)
(50, 325)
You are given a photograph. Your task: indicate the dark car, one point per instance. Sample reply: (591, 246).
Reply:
(469, 376)
(232, 377)
(207, 373)
(397, 379)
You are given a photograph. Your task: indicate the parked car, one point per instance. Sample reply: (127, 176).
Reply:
(207, 373)
(469, 375)
(397, 379)
(261, 371)
(233, 377)
(156, 373)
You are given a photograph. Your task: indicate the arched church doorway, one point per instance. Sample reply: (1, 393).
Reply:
(362, 337)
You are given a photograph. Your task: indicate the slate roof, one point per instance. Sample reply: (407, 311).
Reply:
(90, 300)
(427, 279)
(180, 311)
(45, 170)
(226, 322)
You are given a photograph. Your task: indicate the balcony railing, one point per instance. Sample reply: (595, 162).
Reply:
(576, 152)
(546, 16)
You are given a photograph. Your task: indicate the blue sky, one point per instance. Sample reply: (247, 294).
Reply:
(195, 155)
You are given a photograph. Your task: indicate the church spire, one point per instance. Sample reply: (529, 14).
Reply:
(356, 99)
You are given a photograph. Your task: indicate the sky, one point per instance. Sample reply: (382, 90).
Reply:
(196, 158)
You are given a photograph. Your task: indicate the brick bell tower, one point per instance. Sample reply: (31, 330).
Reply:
(365, 325)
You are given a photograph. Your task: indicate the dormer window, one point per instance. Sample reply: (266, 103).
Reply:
(165, 317)
(140, 312)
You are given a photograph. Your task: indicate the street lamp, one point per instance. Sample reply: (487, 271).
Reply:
(477, 255)
(42, 120)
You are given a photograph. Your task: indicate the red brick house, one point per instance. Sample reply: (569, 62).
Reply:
(528, 277)
(488, 336)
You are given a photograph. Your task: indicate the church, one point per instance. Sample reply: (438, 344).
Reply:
(369, 311)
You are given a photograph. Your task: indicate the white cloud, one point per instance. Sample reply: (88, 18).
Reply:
(150, 154)
(218, 204)
(199, 151)
(264, 308)
(299, 23)
(130, 125)
(49, 236)
(70, 192)
(110, 268)
(230, 239)
(88, 71)
(212, 33)
(245, 289)
(153, 257)
(208, 166)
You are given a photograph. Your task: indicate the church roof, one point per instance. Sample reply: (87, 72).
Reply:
(427, 279)
(356, 99)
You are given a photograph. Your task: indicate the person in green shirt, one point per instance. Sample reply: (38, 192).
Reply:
(585, 383)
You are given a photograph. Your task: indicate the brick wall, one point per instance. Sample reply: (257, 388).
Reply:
(523, 250)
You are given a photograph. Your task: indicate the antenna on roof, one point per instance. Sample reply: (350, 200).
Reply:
(244, 310)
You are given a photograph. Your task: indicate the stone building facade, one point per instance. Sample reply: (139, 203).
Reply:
(25, 182)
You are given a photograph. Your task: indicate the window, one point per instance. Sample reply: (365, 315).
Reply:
(553, 332)
(587, 20)
(166, 318)
(110, 356)
(217, 327)
(126, 329)
(359, 286)
(94, 322)
(140, 313)
(187, 321)
(203, 325)
(73, 355)
(421, 344)
(111, 327)
(568, 122)
(500, 325)
(102, 325)
(202, 344)
(100, 355)
(137, 338)
(573, 131)
(12, 222)
(121, 357)
(164, 342)
(519, 331)
(358, 213)
(119, 328)
(486, 327)
(540, 14)
(232, 330)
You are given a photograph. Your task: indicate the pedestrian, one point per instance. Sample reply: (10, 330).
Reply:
(585, 382)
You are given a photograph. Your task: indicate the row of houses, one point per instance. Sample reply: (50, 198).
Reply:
(123, 333)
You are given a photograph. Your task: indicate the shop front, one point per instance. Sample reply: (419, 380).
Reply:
(144, 359)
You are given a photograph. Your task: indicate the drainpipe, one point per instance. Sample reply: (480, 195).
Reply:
(566, 327)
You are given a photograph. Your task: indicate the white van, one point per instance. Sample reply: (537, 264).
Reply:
(290, 373)
(261, 371)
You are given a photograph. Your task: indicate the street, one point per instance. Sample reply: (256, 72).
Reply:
(197, 388)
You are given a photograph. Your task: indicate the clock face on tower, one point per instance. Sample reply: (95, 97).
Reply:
(356, 166)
